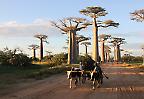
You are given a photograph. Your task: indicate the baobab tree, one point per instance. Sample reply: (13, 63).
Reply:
(86, 45)
(143, 53)
(42, 39)
(33, 47)
(79, 39)
(138, 15)
(70, 26)
(107, 51)
(96, 12)
(116, 43)
(103, 38)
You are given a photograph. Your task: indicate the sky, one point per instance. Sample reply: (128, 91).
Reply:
(20, 20)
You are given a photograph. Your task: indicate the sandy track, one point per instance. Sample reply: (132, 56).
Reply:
(123, 83)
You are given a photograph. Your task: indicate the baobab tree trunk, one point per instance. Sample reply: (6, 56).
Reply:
(86, 50)
(41, 49)
(34, 53)
(118, 54)
(114, 53)
(74, 55)
(108, 57)
(77, 50)
(70, 48)
(102, 52)
(95, 52)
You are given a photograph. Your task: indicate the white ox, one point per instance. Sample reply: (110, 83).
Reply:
(74, 75)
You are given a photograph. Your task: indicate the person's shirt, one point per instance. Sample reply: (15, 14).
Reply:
(98, 69)
(80, 67)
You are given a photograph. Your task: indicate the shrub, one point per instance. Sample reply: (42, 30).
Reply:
(87, 61)
(132, 59)
(20, 60)
(56, 59)
(14, 57)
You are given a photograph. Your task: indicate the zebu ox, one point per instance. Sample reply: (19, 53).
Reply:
(80, 76)
(74, 75)
(96, 78)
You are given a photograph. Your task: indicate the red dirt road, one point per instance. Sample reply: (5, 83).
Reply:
(123, 83)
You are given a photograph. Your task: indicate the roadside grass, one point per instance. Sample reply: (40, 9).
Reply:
(10, 75)
(135, 65)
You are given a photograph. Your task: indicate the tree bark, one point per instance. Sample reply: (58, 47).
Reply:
(34, 53)
(86, 50)
(116, 53)
(102, 52)
(95, 52)
(69, 49)
(77, 49)
(119, 54)
(108, 57)
(41, 49)
(74, 55)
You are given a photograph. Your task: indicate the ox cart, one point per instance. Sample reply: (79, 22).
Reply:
(80, 77)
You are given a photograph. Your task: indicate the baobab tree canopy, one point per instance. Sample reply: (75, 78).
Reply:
(117, 41)
(71, 23)
(86, 43)
(94, 12)
(33, 46)
(104, 37)
(40, 36)
(81, 38)
(70, 26)
(138, 15)
(109, 23)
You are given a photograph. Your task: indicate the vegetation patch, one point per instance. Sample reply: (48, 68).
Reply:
(10, 75)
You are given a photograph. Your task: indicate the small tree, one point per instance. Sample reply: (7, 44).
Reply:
(86, 45)
(42, 39)
(33, 47)
(79, 39)
(107, 51)
(138, 15)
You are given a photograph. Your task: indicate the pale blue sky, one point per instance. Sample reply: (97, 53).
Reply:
(21, 19)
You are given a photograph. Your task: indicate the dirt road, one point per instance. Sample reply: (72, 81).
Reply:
(123, 83)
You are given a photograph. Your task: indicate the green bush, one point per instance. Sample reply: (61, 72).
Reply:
(14, 57)
(56, 59)
(20, 60)
(132, 59)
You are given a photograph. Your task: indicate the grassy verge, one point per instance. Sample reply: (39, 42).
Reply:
(10, 75)
(135, 65)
